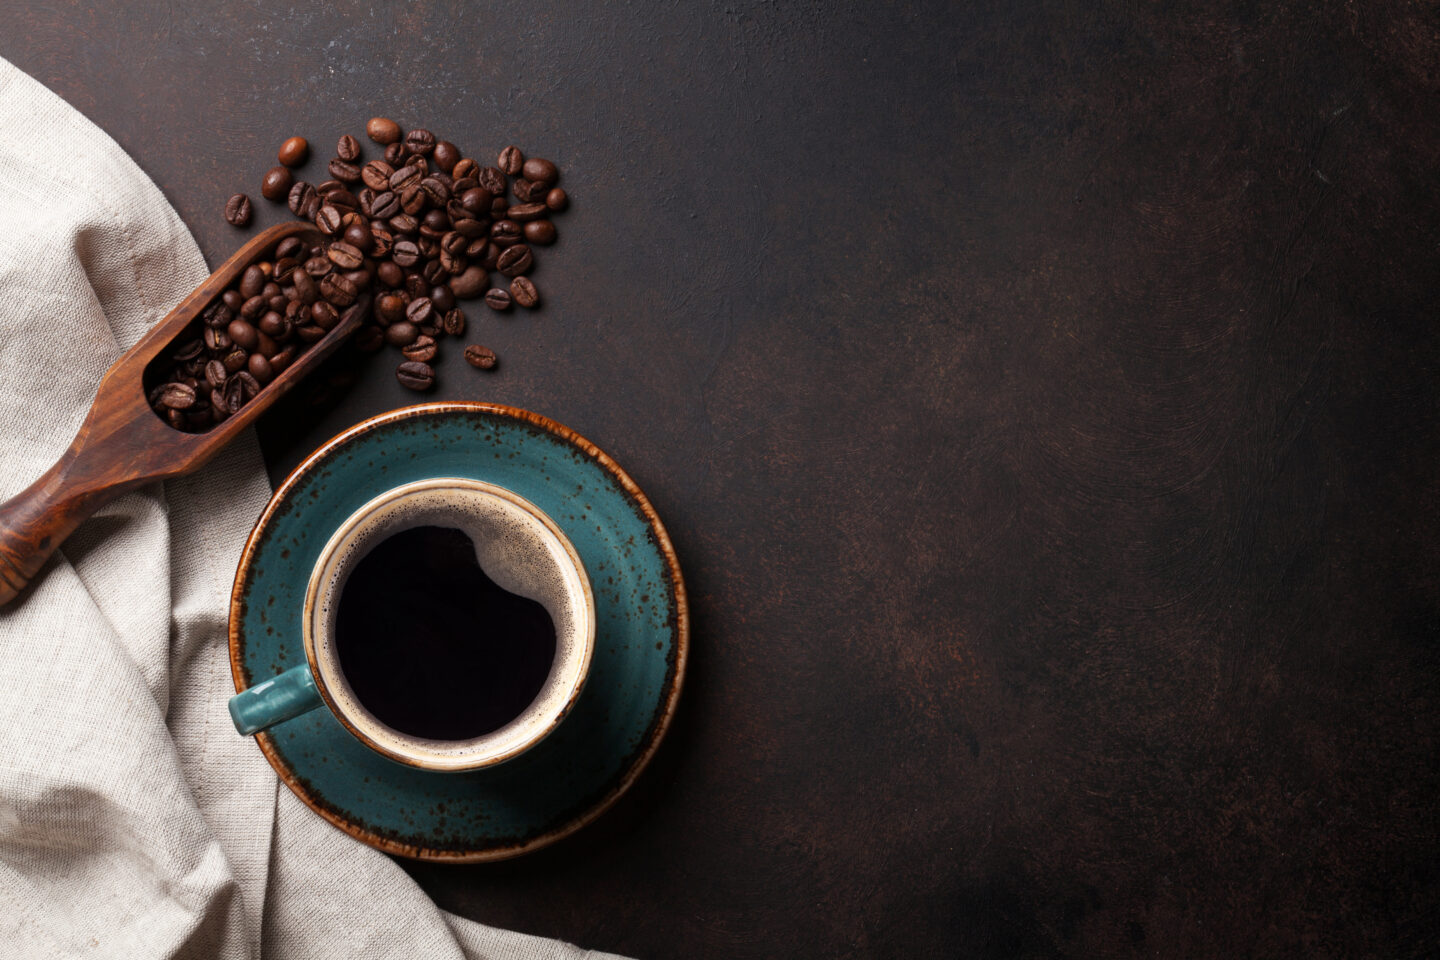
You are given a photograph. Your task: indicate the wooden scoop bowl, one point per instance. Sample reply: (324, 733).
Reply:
(123, 444)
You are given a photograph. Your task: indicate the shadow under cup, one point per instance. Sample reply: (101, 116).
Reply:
(517, 547)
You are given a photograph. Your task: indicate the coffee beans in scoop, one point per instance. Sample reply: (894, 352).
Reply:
(412, 231)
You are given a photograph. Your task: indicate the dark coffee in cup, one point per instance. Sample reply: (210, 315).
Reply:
(431, 645)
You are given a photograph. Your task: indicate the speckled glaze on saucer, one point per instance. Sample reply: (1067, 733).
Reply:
(638, 664)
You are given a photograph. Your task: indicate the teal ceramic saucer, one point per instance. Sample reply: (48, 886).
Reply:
(641, 640)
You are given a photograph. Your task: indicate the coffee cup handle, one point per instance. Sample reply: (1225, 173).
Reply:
(276, 700)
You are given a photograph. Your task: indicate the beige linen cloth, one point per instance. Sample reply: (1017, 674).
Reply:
(134, 822)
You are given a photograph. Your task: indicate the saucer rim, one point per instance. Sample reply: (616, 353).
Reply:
(654, 735)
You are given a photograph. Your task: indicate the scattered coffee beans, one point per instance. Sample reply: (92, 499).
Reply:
(416, 230)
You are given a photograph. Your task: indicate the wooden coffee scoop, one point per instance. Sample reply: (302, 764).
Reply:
(123, 444)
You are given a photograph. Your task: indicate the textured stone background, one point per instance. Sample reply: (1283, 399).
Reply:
(1042, 399)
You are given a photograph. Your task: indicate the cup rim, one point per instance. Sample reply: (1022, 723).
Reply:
(461, 762)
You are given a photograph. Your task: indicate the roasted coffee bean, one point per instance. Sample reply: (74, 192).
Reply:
(242, 334)
(310, 332)
(343, 200)
(442, 297)
(216, 374)
(338, 290)
(275, 326)
(283, 359)
(284, 267)
(476, 249)
(390, 307)
(235, 359)
(527, 192)
(557, 199)
(481, 358)
(420, 142)
(405, 253)
(382, 130)
(395, 154)
(415, 285)
(359, 236)
(538, 170)
(259, 368)
(493, 180)
(216, 340)
(238, 210)
(421, 348)
(376, 175)
(361, 277)
(369, 339)
(389, 274)
(317, 267)
(415, 375)
(419, 310)
(515, 260)
(306, 289)
(344, 255)
(294, 151)
(381, 240)
(437, 190)
(476, 200)
(492, 254)
(324, 315)
(446, 155)
(511, 161)
(472, 229)
(327, 219)
(497, 299)
(505, 233)
(327, 187)
(348, 149)
(435, 223)
(524, 292)
(405, 176)
(188, 350)
(499, 207)
(177, 396)
(470, 284)
(527, 211)
(404, 223)
(414, 199)
(343, 171)
(432, 274)
(540, 232)
(452, 263)
(249, 386)
(302, 195)
(453, 323)
(252, 281)
(385, 205)
(401, 334)
(275, 185)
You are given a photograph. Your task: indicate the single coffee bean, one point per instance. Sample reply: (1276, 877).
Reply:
(317, 267)
(327, 187)
(419, 310)
(454, 322)
(215, 374)
(385, 205)
(306, 289)
(382, 130)
(249, 386)
(217, 340)
(476, 200)
(259, 368)
(348, 149)
(415, 375)
(557, 199)
(511, 161)
(343, 200)
(414, 199)
(343, 171)
(368, 339)
(294, 151)
(345, 256)
(381, 240)
(471, 283)
(488, 258)
(243, 335)
(433, 273)
(252, 281)
(415, 285)
(310, 332)
(338, 289)
(497, 299)
(498, 208)
(302, 194)
(451, 263)
(275, 326)
(358, 235)
(527, 211)
(389, 274)
(446, 155)
(515, 260)
(420, 142)
(481, 358)
(421, 348)
(395, 154)
(493, 180)
(177, 396)
(284, 267)
(390, 307)
(436, 189)
(435, 224)
(540, 232)
(376, 175)
(405, 176)
(505, 233)
(324, 315)
(283, 359)
(238, 210)
(401, 334)
(465, 167)
(275, 185)
(442, 297)
(236, 358)
(476, 249)
(405, 253)
(328, 220)
(524, 292)
(527, 191)
(538, 170)
(404, 223)
(471, 228)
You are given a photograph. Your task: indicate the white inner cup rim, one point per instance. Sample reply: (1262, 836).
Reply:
(471, 505)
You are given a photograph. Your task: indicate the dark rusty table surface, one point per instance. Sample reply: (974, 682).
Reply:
(1041, 397)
